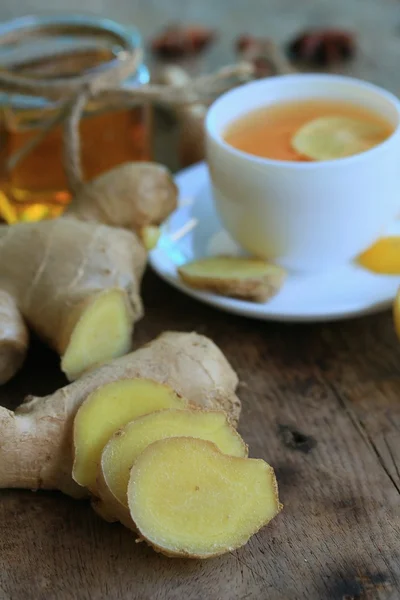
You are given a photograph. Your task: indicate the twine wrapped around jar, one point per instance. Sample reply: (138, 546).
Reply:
(70, 96)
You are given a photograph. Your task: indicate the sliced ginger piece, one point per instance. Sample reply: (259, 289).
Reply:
(101, 331)
(383, 256)
(328, 138)
(128, 443)
(247, 278)
(106, 410)
(188, 499)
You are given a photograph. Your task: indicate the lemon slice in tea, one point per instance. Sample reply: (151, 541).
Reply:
(327, 138)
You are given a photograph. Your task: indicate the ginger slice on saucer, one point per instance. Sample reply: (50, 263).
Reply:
(328, 138)
(246, 278)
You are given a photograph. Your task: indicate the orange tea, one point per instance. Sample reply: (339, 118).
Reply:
(270, 132)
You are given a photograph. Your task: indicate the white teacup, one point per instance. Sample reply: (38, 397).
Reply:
(306, 216)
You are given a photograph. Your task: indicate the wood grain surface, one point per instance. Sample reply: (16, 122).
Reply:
(321, 403)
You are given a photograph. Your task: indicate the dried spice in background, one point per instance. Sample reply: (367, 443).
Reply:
(263, 54)
(323, 47)
(251, 48)
(178, 41)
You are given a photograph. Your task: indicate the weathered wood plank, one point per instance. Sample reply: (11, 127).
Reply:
(309, 395)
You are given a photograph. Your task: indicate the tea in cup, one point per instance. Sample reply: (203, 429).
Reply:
(305, 169)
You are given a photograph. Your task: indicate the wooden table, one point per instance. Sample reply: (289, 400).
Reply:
(321, 403)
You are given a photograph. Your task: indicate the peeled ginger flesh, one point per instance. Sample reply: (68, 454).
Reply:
(128, 443)
(247, 278)
(106, 410)
(188, 499)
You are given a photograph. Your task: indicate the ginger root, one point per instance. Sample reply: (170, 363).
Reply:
(245, 278)
(174, 473)
(106, 410)
(122, 450)
(77, 285)
(188, 499)
(36, 449)
(133, 196)
(75, 280)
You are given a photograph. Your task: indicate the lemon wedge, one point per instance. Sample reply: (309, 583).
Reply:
(383, 257)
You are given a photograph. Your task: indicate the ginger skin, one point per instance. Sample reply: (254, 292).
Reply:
(36, 449)
(76, 280)
(145, 191)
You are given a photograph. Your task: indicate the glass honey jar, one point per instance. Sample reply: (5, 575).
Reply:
(33, 184)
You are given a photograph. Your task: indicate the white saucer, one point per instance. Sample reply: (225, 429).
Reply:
(344, 293)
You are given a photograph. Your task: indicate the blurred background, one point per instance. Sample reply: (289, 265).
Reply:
(376, 23)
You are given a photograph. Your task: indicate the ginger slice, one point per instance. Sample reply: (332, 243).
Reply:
(328, 138)
(247, 278)
(128, 443)
(106, 410)
(102, 331)
(383, 256)
(188, 499)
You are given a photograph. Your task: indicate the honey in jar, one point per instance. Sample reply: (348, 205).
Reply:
(33, 185)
